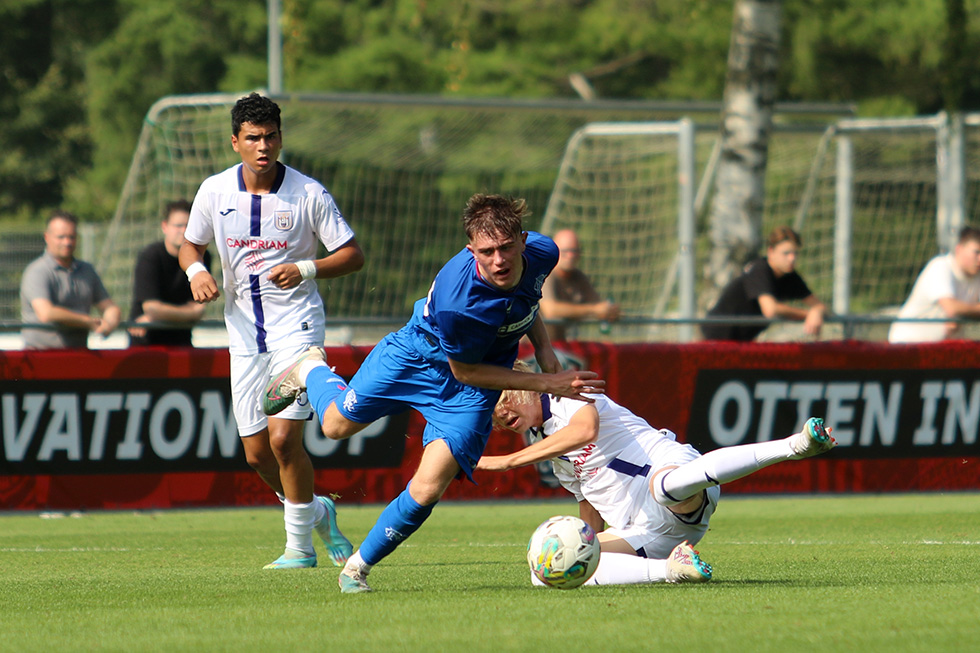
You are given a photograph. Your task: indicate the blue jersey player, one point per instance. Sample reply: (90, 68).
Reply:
(449, 362)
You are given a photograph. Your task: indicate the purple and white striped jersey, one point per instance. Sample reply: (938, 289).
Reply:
(253, 234)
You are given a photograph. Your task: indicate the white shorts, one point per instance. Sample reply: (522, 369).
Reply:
(250, 374)
(652, 529)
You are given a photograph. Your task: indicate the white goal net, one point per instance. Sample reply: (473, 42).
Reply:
(627, 190)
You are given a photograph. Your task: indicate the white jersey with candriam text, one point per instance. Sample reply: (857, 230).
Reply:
(253, 234)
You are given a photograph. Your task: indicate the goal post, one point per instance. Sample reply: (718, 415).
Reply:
(628, 190)
(880, 156)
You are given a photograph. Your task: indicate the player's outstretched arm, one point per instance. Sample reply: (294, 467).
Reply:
(575, 384)
(582, 429)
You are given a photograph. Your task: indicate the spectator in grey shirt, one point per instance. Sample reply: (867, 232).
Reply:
(60, 290)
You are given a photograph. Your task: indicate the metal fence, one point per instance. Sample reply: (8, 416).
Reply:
(873, 199)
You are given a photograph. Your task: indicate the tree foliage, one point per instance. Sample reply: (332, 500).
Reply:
(78, 76)
(45, 139)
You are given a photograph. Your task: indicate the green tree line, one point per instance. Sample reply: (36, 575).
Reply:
(78, 76)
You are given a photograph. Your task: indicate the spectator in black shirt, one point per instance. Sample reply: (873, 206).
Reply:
(161, 292)
(763, 288)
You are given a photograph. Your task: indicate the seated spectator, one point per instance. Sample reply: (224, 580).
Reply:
(568, 294)
(763, 288)
(59, 289)
(947, 287)
(161, 292)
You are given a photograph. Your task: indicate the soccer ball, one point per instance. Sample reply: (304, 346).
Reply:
(563, 552)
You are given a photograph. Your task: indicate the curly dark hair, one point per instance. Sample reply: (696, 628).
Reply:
(255, 109)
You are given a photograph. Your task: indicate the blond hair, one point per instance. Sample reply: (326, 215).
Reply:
(519, 397)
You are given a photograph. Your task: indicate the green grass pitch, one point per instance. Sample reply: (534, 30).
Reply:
(867, 573)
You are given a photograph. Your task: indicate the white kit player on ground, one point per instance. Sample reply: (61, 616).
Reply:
(266, 219)
(655, 494)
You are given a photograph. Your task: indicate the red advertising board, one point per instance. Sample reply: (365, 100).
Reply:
(153, 428)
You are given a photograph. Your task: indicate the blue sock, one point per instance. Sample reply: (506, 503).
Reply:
(322, 387)
(401, 518)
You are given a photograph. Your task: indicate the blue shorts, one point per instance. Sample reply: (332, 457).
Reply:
(396, 376)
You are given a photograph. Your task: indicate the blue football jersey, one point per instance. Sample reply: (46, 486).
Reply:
(470, 320)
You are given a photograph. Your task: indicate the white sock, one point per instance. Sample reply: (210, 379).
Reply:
(319, 512)
(717, 467)
(774, 451)
(306, 367)
(357, 562)
(299, 519)
(626, 569)
(282, 498)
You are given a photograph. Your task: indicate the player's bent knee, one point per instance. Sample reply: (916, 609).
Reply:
(688, 506)
(261, 463)
(258, 452)
(660, 495)
(426, 492)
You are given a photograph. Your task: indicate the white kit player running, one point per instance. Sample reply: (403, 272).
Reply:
(265, 219)
(655, 494)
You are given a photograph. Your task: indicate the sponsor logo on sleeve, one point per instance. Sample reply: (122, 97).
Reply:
(538, 283)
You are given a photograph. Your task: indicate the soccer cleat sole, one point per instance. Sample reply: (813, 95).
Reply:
(813, 440)
(273, 402)
(703, 567)
(817, 432)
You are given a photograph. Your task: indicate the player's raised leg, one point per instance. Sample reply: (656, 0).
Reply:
(673, 485)
(283, 388)
(812, 440)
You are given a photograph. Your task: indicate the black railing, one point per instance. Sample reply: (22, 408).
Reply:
(849, 323)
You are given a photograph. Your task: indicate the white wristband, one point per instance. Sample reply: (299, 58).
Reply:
(194, 268)
(307, 269)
